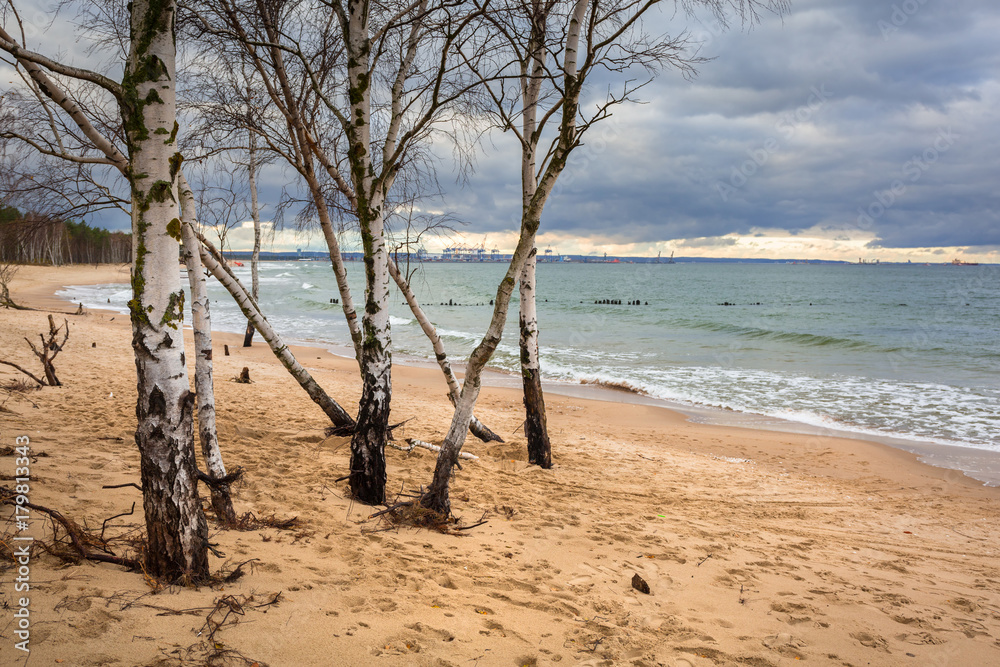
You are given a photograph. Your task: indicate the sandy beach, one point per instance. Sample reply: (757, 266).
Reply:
(759, 548)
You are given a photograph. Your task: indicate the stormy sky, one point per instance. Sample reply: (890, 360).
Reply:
(843, 129)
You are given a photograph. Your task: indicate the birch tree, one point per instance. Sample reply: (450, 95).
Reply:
(360, 87)
(177, 533)
(222, 501)
(216, 265)
(552, 48)
(252, 167)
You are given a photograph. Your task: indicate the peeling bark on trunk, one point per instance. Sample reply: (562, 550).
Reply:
(535, 426)
(213, 262)
(478, 429)
(222, 500)
(177, 533)
(367, 474)
(372, 429)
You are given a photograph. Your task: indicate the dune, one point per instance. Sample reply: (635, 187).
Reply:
(759, 548)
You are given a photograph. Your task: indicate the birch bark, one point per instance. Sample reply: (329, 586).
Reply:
(535, 426)
(222, 501)
(367, 473)
(177, 533)
(255, 215)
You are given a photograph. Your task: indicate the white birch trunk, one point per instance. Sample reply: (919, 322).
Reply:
(204, 384)
(367, 473)
(336, 261)
(536, 430)
(177, 533)
(255, 215)
(535, 426)
(249, 308)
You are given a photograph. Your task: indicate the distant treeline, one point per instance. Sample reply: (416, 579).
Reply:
(37, 239)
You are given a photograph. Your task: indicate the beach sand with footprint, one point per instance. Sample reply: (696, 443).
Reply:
(759, 548)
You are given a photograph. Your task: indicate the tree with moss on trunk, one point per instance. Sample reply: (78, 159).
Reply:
(177, 533)
(387, 69)
(551, 48)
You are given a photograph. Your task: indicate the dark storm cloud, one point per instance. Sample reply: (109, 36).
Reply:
(860, 116)
(851, 116)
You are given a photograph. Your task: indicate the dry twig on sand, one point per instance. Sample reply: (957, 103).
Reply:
(411, 513)
(50, 348)
(83, 545)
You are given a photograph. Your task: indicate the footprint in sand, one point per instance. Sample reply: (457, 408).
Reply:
(871, 641)
(785, 644)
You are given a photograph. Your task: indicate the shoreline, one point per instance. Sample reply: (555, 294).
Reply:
(759, 547)
(977, 463)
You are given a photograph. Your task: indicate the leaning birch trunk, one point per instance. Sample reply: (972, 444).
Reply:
(336, 261)
(255, 214)
(222, 500)
(333, 410)
(535, 427)
(437, 495)
(177, 533)
(478, 429)
(306, 168)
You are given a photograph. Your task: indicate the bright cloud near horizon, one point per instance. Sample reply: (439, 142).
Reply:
(844, 129)
(813, 244)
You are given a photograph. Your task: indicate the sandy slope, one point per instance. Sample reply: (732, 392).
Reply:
(760, 548)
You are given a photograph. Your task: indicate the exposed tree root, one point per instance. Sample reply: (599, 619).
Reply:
(211, 650)
(412, 513)
(250, 521)
(82, 545)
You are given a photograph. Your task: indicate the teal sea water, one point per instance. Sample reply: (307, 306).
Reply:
(905, 351)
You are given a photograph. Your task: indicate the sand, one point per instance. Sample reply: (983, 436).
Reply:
(759, 548)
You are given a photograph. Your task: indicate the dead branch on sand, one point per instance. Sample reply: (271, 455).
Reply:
(83, 544)
(411, 513)
(50, 348)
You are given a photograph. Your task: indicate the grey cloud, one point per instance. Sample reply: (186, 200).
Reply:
(752, 122)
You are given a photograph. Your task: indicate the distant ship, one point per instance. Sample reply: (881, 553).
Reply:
(958, 262)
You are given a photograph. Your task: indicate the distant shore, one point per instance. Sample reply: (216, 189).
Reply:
(759, 547)
(318, 256)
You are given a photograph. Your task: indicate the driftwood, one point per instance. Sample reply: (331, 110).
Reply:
(413, 442)
(49, 349)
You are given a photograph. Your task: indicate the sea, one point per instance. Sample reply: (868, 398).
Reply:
(908, 355)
